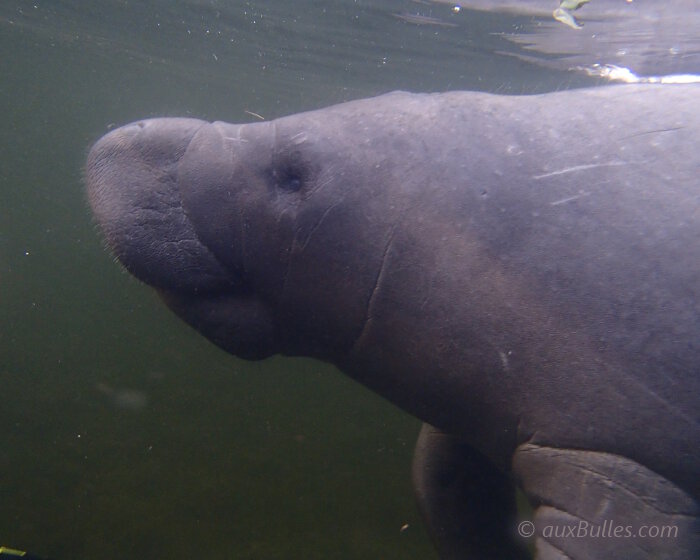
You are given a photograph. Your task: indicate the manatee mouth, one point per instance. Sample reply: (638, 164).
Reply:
(134, 190)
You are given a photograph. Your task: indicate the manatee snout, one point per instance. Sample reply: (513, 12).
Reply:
(134, 189)
(135, 186)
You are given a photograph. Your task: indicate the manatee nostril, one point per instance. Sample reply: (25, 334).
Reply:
(140, 124)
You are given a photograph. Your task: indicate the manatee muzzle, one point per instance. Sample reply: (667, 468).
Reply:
(134, 187)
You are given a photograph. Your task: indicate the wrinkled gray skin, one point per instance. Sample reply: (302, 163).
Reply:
(522, 273)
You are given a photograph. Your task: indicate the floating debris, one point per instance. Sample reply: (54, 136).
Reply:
(564, 13)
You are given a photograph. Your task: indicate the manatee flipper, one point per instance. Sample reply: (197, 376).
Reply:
(467, 504)
(592, 505)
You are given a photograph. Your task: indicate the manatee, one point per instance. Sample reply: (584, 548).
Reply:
(521, 273)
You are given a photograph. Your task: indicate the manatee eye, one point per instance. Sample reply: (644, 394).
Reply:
(291, 183)
(291, 175)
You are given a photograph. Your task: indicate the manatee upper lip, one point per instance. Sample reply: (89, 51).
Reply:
(133, 187)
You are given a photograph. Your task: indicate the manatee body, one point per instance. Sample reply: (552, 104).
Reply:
(521, 273)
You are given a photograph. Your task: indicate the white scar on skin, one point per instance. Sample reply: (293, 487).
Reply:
(579, 168)
(569, 199)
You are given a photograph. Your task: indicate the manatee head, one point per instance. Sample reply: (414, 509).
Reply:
(267, 237)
